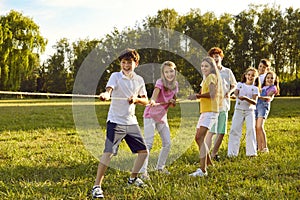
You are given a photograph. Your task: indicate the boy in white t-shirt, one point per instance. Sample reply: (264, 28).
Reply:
(126, 89)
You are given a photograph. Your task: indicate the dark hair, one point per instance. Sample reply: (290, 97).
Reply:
(129, 54)
(256, 81)
(216, 50)
(266, 62)
(276, 82)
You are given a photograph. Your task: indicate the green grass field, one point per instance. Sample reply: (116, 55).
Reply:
(42, 156)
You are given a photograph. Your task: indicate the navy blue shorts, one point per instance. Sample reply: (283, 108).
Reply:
(115, 133)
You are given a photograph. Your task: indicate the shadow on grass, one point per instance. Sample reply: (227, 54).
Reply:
(56, 182)
(13, 174)
(39, 117)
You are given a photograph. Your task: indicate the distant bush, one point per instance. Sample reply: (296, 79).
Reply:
(290, 88)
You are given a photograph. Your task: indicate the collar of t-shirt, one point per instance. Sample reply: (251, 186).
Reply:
(130, 76)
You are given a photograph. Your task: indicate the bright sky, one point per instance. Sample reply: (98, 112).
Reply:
(80, 19)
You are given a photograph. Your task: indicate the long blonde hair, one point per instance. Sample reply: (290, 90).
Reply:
(219, 86)
(168, 85)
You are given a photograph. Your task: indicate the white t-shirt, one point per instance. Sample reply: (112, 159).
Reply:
(262, 78)
(228, 80)
(245, 90)
(120, 111)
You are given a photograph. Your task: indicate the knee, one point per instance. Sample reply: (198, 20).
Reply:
(234, 133)
(167, 145)
(149, 142)
(143, 152)
(149, 147)
(197, 137)
(197, 140)
(105, 158)
(258, 126)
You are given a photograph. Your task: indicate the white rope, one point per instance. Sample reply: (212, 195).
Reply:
(68, 95)
(48, 94)
(57, 95)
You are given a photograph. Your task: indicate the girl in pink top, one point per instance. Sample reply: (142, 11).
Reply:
(164, 95)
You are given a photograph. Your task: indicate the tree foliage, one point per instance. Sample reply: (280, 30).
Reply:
(20, 47)
(262, 31)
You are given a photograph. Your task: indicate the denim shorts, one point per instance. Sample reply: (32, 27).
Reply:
(262, 109)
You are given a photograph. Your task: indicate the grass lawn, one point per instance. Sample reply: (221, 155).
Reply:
(44, 155)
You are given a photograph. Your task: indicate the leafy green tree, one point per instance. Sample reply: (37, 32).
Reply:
(80, 49)
(21, 45)
(292, 33)
(242, 42)
(57, 67)
(259, 32)
(271, 27)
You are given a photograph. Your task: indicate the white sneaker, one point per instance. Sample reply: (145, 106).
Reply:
(199, 172)
(164, 171)
(145, 176)
(97, 192)
(265, 150)
(136, 181)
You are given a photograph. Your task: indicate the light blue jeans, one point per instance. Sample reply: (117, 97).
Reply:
(164, 131)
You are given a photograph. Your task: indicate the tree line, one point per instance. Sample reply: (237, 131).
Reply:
(259, 32)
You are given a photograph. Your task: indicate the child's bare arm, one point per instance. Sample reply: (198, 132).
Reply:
(211, 94)
(172, 102)
(139, 100)
(252, 100)
(106, 95)
(194, 96)
(155, 94)
(232, 89)
(269, 97)
(236, 93)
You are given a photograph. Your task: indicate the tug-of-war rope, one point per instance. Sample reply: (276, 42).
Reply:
(49, 94)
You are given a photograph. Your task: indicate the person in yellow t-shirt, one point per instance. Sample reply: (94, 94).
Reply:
(209, 104)
(211, 96)
(219, 129)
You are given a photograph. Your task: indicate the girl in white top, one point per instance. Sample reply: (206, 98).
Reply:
(246, 98)
(165, 91)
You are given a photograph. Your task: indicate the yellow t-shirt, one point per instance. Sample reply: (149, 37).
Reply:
(209, 104)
